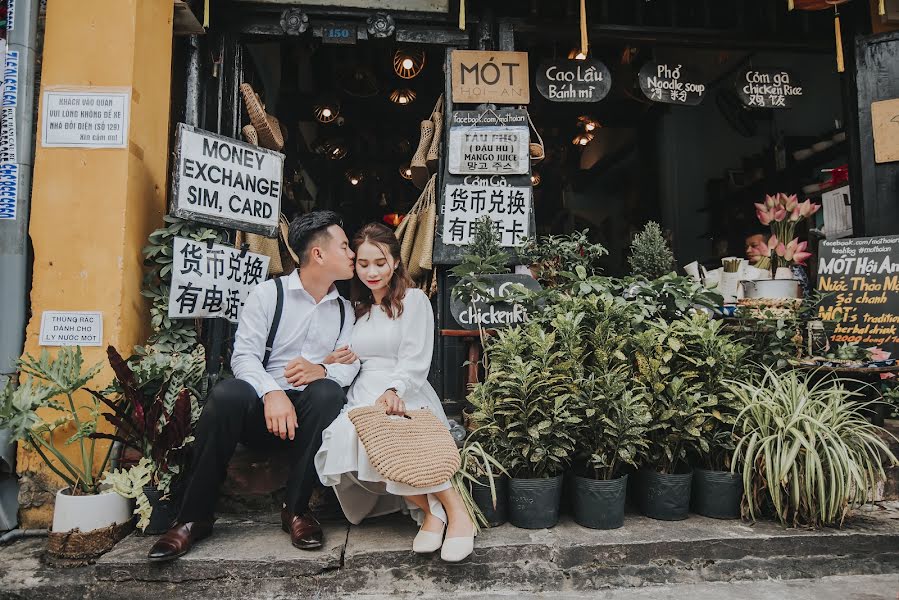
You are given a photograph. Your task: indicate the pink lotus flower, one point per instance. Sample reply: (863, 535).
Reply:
(796, 214)
(795, 251)
(877, 353)
(780, 214)
(807, 209)
(764, 216)
(770, 201)
(789, 202)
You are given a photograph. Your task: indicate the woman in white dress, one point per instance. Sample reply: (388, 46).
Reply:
(393, 338)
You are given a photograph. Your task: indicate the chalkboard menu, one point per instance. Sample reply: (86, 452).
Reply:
(861, 276)
(670, 84)
(573, 80)
(768, 88)
(498, 314)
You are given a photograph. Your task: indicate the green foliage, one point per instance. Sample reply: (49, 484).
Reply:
(650, 255)
(552, 255)
(485, 257)
(477, 465)
(670, 296)
(850, 351)
(170, 335)
(807, 454)
(129, 483)
(524, 408)
(50, 383)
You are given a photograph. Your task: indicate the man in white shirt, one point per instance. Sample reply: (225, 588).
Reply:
(282, 394)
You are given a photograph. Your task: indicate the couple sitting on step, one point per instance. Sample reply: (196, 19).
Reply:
(298, 345)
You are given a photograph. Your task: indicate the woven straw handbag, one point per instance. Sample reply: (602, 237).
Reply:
(267, 127)
(416, 450)
(536, 150)
(434, 150)
(249, 134)
(259, 244)
(423, 247)
(419, 163)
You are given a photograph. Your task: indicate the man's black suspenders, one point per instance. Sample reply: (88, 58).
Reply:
(279, 308)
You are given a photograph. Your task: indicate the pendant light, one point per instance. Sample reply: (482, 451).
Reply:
(588, 123)
(326, 111)
(406, 171)
(354, 177)
(408, 63)
(582, 139)
(535, 179)
(403, 96)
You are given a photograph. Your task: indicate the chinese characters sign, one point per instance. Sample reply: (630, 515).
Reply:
(861, 278)
(224, 182)
(212, 281)
(768, 88)
(507, 205)
(488, 150)
(670, 85)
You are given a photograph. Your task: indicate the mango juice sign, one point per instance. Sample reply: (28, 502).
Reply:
(227, 183)
(861, 278)
(497, 77)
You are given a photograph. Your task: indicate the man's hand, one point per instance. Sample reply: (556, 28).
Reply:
(280, 415)
(300, 371)
(392, 403)
(342, 356)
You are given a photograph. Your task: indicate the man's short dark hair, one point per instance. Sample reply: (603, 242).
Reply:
(308, 230)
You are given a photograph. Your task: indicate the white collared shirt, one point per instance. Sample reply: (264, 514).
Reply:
(307, 330)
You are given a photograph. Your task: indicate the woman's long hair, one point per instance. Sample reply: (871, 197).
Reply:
(382, 237)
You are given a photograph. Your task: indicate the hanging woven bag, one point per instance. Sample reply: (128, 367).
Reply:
(536, 150)
(434, 150)
(267, 126)
(427, 225)
(419, 163)
(415, 450)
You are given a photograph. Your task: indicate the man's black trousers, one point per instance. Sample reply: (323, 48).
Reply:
(234, 413)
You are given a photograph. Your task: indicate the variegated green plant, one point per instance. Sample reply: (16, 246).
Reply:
(129, 483)
(807, 453)
(51, 383)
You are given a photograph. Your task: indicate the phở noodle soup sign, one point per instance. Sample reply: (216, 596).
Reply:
(224, 182)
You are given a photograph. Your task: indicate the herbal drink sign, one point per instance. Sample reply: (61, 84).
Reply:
(482, 313)
(661, 82)
(212, 280)
(768, 88)
(861, 276)
(489, 143)
(573, 80)
(223, 182)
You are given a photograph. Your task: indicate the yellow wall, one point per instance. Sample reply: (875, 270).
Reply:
(93, 209)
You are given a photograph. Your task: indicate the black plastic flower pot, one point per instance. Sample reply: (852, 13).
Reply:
(717, 494)
(599, 503)
(663, 496)
(164, 511)
(534, 503)
(495, 516)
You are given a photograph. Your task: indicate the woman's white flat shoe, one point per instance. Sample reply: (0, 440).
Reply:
(457, 549)
(427, 541)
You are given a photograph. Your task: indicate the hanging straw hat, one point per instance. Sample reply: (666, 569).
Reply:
(268, 129)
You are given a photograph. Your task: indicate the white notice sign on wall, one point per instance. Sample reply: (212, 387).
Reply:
(85, 118)
(67, 328)
(489, 150)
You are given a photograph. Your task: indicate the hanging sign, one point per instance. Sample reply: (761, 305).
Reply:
(506, 200)
(768, 88)
(885, 127)
(861, 276)
(68, 328)
(497, 77)
(211, 281)
(573, 80)
(7, 135)
(10, 84)
(495, 315)
(670, 84)
(490, 142)
(9, 190)
(221, 181)
(85, 118)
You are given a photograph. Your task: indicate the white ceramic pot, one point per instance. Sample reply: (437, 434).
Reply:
(87, 513)
(771, 288)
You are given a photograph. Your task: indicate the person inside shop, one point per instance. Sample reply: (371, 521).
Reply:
(394, 338)
(758, 255)
(283, 395)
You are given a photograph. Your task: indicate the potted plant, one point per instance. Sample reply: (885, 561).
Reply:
(154, 406)
(650, 255)
(615, 421)
(806, 453)
(42, 412)
(526, 403)
(483, 483)
(553, 255)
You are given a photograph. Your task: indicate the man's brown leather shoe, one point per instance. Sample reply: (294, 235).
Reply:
(178, 540)
(305, 531)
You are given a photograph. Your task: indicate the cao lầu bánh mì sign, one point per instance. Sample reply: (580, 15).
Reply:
(223, 182)
(573, 80)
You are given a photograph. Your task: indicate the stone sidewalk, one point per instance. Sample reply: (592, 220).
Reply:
(253, 558)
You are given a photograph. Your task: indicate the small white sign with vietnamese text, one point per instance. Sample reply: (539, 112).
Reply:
(71, 328)
(85, 118)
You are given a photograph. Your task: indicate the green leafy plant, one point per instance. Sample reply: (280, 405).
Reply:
(129, 483)
(670, 296)
(523, 408)
(552, 255)
(650, 255)
(849, 351)
(485, 257)
(51, 383)
(807, 453)
(477, 466)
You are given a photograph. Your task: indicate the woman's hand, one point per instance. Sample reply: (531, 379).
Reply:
(391, 403)
(342, 356)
